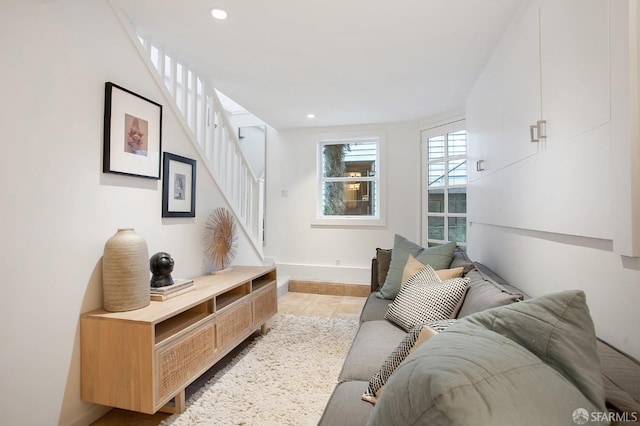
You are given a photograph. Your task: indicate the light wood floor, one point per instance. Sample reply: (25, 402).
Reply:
(303, 304)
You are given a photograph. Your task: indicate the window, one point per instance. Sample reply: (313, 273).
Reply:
(349, 181)
(444, 165)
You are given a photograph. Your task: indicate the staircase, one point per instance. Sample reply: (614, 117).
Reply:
(199, 110)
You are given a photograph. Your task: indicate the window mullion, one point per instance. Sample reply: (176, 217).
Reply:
(445, 224)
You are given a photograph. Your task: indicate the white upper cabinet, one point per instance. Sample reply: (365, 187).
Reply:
(484, 120)
(520, 87)
(575, 76)
(574, 65)
(505, 100)
(552, 64)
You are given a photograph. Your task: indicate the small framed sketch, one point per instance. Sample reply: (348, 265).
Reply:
(132, 134)
(178, 186)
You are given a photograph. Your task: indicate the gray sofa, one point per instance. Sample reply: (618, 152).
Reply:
(377, 338)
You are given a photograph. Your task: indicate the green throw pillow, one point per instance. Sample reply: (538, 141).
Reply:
(529, 363)
(439, 257)
(559, 330)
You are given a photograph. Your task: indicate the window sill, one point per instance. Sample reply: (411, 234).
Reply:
(349, 222)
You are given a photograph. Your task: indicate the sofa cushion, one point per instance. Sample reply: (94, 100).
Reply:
(374, 308)
(533, 362)
(373, 343)
(488, 273)
(460, 259)
(425, 298)
(414, 339)
(484, 293)
(345, 408)
(621, 375)
(439, 257)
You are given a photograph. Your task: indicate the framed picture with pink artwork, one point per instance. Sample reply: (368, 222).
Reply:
(132, 133)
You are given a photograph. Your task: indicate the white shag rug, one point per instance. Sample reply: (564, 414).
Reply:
(284, 377)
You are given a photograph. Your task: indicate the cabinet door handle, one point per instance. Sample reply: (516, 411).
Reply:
(479, 167)
(538, 131)
(542, 129)
(533, 132)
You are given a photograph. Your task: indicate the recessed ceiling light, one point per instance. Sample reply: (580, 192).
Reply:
(219, 13)
(311, 116)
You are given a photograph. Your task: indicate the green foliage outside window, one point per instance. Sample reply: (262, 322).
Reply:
(334, 166)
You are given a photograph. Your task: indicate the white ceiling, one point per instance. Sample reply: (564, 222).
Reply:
(347, 61)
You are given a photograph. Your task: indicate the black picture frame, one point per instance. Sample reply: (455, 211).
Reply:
(132, 133)
(178, 186)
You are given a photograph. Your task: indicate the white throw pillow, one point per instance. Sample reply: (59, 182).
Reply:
(423, 299)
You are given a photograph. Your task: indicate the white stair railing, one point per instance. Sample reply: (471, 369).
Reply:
(199, 109)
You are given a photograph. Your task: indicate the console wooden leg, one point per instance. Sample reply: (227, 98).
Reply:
(263, 328)
(178, 404)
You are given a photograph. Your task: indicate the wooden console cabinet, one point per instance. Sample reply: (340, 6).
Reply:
(140, 360)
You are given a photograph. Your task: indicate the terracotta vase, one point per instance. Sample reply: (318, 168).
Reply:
(125, 272)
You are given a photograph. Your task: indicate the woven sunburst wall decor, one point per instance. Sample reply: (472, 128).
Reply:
(220, 238)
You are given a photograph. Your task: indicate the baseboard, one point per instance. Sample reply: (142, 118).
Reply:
(329, 288)
(91, 415)
(326, 273)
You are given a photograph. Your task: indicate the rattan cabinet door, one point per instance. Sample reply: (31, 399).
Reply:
(181, 361)
(233, 324)
(265, 303)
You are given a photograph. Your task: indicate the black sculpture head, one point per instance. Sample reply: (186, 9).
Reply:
(161, 265)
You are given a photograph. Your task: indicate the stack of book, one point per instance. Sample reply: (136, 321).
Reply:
(176, 289)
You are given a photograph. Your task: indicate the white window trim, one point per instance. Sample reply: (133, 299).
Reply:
(380, 220)
(425, 134)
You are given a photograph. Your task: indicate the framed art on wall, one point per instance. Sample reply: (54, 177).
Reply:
(178, 186)
(132, 133)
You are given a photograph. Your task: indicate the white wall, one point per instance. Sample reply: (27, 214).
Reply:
(542, 263)
(341, 254)
(254, 141)
(58, 208)
(564, 217)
